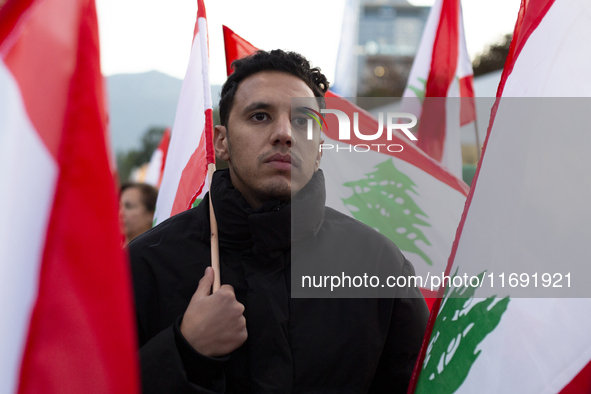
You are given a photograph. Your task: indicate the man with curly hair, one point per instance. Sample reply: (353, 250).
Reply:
(250, 336)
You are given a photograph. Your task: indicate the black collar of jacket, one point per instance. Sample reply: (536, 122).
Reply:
(267, 230)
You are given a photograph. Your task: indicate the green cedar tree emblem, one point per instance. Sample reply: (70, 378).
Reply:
(456, 334)
(420, 92)
(383, 201)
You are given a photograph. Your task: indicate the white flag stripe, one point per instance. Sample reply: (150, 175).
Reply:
(555, 63)
(530, 212)
(527, 355)
(452, 145)
(22, 242)
(184, 138)
(153, 172)
(538, 221)
(205, 59)
(464, 64)
(342, 167)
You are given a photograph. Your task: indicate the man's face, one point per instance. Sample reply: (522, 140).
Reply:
(268, 158)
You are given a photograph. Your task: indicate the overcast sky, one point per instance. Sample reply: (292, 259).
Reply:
(144, 35)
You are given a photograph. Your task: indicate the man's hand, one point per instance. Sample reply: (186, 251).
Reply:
(214, 324)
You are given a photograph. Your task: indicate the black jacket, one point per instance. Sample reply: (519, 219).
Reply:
(294, 344)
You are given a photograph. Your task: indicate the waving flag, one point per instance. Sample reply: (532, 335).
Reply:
(191, 145)
(236, 47)
(67, 321)
(528, 212)
(345, 83)
(405, 195)
(442, 68)
(155, 168)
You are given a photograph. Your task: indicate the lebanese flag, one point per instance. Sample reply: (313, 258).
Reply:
(65, 292)
(442, 68)
(416, 202)
(184, 182)
(528, 211)
(155, 168)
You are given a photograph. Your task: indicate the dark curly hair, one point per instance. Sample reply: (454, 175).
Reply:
(276, 60)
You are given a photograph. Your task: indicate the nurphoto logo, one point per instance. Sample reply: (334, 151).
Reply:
(394, 121)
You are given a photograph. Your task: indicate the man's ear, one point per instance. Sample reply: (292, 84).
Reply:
(220, 142)
(319, 156)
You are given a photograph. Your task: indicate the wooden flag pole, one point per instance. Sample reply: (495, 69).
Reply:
(213, 225)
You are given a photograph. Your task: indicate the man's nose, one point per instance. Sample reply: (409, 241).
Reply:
(282, 132)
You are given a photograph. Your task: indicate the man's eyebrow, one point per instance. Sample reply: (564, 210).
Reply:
(302, 110)
(257, 105)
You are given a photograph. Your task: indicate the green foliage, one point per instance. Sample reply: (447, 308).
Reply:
(456, 334)
(126, 161)
(383, 200)
(493, 58)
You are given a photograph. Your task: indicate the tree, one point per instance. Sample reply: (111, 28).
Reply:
(126, 161)
(493, 58)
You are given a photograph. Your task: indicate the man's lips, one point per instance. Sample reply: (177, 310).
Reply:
(280, 161)
(280, 157)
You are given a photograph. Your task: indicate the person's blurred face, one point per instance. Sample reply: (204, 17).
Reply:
(268, 159)
(135, 219)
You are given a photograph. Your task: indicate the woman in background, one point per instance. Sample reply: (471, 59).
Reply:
(137, 203)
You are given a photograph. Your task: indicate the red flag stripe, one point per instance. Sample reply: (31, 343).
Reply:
(81, 332)
(59, 54)
(193, 176)
(445, 50)
(444, 62)
(581, 383)
(208, 131)
(164, 148)
(525, 26)
(236, 47)
(467, 104)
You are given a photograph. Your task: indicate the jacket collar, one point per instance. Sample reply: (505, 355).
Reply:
(267, 230)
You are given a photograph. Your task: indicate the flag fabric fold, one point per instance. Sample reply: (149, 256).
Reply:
(184, 182)
(235, 47)
(527, 209)
(65, 290)
(442, 68)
